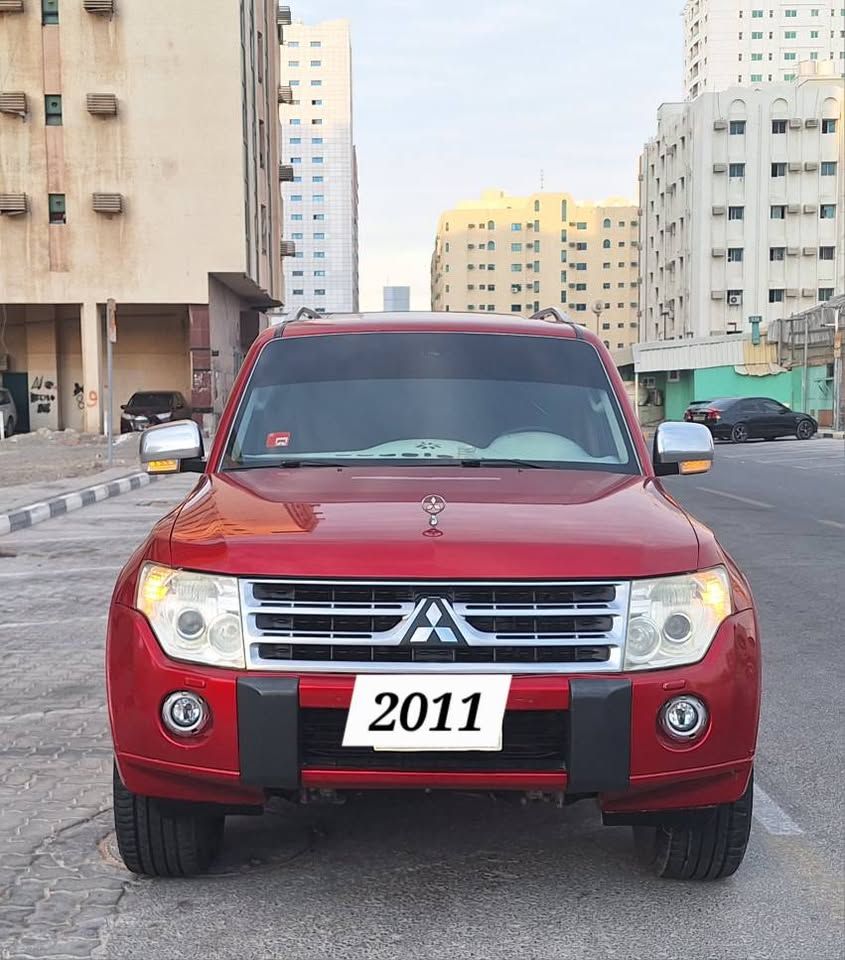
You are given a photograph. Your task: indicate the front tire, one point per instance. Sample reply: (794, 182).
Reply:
(707, 845)
(156, 840)
(804, 430)
(739, 434)
(10, 427)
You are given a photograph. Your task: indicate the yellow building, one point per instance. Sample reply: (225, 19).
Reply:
(507, 254)
(139, 162)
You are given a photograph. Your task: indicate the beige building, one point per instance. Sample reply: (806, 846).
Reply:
(507, 254)
(139, 162)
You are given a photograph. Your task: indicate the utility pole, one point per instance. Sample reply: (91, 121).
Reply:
(111, 339)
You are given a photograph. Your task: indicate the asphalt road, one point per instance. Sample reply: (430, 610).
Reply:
(427, 876)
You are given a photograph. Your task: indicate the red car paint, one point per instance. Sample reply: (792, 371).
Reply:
(365, 522)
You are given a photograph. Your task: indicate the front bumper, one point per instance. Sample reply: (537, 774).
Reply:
(279, 732)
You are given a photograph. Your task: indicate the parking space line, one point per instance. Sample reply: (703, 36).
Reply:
(42, 572)
(770, 816)
(734, 496)
(17, 625)
(832, 523)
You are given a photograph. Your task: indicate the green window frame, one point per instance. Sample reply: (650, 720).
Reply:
(53, 109)
(49, 11)
(57, 207)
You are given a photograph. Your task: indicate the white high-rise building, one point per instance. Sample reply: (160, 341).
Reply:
(321, 202)
(736, 42)
(742, 198)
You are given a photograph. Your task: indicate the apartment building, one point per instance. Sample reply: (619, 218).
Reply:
(321, 192)
(509, 254)
(742, 198)
(139, 163)
(736, 42)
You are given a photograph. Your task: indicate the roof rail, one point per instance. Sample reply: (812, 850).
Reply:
(553, 315)
(305, 313)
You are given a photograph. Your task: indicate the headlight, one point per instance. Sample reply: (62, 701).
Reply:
(195, 616)
(673, 619)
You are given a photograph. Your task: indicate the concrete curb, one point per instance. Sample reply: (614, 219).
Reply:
(28, 516)
(832, 434)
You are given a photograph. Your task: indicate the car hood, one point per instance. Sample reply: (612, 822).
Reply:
(368, 522)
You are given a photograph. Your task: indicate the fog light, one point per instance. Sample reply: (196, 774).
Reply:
(184, 713)
(683, 718)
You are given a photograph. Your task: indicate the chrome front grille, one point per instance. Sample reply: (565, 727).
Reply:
(346, 626)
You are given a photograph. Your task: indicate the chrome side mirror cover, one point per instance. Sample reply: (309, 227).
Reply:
(682, 448)
(165, 445)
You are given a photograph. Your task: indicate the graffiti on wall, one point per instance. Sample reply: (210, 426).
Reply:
(42, 394)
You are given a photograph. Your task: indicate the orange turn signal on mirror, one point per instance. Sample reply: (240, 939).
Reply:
(694, 466)
(163, 466)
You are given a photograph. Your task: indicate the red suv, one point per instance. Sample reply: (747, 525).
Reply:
(432, 551)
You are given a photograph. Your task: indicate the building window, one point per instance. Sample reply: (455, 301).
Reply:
(516, 227)
(756, 14)
(297, 236)
(828, 126)
(315, 43)
(294, 141)
(756, 34)
(316, 141)
(317, 160)
(814, 12)
(736, 213)
(516, 247)
(756, 56)
(580, 286)
(778, 169)
(825, 293)
(319, 292)
(516, 307)
(736, 127)
(605, 286)
(580, 266)
(516, 268)
(606, 244)
(57, 207)
(296, 198)
(826, 253)
(581, 226)
(322, 273)
(735, 254)
(292, 159)
(778, 126)
(736, 170)
(318, 179)
(776, 295)
(49, 11)
(294, 121)
(298, 273)
(789, 56)
(53, 110)
(581, 245)
(828, 168)
(296, 216)
(827, 211)
(316, 63)
(293, 63)
(789, 76)
(316, 103)
(293, 83)
(580, 307)
(319, 236)
(606, 223)
(605, 266)
(322, 216)
(790, 13)
(777, 253)
(316, 83)
(298, 292)
(777, 211)
(317, 123)
(319, 254)
(319, 197)
(756, 77)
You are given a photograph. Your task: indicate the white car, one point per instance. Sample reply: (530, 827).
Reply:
(8, 412)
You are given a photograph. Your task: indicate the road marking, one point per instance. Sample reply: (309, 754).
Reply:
(733, 496)
(833, 523)
(41, 572)
(771, 817)
(41, 623)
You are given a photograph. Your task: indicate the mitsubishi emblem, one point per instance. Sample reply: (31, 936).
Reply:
(433, 505)
(433, 624)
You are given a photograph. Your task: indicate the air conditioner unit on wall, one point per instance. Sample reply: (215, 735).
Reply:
(720, 124)
(794, 167)
(795, 123)
(14, 102)
(718, 251)
(812, 121)
(735, 300)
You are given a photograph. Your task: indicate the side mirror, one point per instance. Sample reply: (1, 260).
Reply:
(166, 447)
(123, 406)
(683, 448)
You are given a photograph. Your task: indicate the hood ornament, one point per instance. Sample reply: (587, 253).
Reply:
(433, 505)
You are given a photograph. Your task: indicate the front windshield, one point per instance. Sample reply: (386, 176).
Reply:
(152, 401)
(415, 398)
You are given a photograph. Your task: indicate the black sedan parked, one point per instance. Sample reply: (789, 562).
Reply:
(749, 418)
(147, 408)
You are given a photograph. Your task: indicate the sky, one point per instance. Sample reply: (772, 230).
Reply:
(451, 98)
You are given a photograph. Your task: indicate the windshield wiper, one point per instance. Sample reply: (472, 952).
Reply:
(502, 462)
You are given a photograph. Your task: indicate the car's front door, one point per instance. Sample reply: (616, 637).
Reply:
(777, 420)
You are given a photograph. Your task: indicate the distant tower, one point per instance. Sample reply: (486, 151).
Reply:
(397, 299)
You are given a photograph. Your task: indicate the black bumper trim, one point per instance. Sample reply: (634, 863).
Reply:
(599, 736)
(268, 731)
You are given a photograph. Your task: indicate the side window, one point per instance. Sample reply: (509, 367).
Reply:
(4, 395)
(771, 407)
